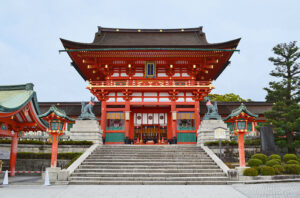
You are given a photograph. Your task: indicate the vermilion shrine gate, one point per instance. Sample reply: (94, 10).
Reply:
(150, 81)
(19, 112)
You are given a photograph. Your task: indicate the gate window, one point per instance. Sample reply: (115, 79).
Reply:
(186, 121)
(115, 121)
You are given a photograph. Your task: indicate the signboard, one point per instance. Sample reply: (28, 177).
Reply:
(220, 133)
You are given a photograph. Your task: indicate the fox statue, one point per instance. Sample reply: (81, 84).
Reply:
(211, 107)
(87, 110)
(212, 110)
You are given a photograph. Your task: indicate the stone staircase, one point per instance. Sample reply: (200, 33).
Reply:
(135, 164)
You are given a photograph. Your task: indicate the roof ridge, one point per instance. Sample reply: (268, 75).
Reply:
(27, 86)
(107, 29)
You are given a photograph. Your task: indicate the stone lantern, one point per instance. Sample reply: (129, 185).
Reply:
(57, 121)
(240, 118)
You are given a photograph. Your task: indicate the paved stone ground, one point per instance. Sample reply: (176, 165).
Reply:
(286, 190)
(31, 187)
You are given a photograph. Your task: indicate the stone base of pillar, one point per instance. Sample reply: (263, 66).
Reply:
(240, 170)
(86, 130)
(206, 131)
(53, 174)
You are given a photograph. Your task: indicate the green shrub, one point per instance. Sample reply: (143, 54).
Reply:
(224, 143)
(292, 162)
(288, 157)
(72, 142)
(68, 142)
(254, 162)
(274, 156)
(250, 172)
(292, 169)
(267, 170)
(281, 143)
(27, 155)
(258, 168)
(278, 169)
(255, 142)
(260, 156)
(273, 162)
(298, 158)
(73, 160)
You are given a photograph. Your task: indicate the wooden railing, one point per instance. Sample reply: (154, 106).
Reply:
(138, 83)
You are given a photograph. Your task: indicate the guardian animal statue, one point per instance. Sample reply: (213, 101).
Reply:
(87, 110)
(212, 110)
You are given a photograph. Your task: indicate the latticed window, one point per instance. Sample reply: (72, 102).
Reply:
(54, 125)
(115, 121)
(185, 121)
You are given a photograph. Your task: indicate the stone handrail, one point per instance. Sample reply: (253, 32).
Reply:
(77, 163)
(216, 159)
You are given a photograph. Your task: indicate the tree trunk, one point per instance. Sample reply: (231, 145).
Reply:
(290, 140)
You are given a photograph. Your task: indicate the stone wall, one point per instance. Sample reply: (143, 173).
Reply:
(34, 148)
(231, 153)
(34, 164)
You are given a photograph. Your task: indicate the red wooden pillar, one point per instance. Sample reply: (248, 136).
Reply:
(54, 149)
(127, 118)
(103, 116)
(197, 115)
(241, 149)
(13, 154)
(173, 111)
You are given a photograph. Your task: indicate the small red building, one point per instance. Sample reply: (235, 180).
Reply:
(150, 81)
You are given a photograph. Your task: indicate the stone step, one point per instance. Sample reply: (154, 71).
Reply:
(124, 175)
(148, 160)
(148, 166)
(150, 178)
(148, 163)
(178, 182)
(152, 155)
(150, 170)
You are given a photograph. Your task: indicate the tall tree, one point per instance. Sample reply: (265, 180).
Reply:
(230, 97)
(285, 92)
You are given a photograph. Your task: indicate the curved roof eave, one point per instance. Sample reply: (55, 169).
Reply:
(79, 45)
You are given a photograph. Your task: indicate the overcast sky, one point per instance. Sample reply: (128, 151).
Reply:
(30, 32)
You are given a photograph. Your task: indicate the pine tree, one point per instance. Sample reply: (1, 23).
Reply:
(285, 93)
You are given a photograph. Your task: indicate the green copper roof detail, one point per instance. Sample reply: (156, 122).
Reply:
(136, 49)
(14, 97)
(239, 110)
(57, 111)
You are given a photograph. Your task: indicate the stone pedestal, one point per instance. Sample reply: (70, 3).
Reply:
(206, 131)
(86, 130)
(240, 170)
(53, 174)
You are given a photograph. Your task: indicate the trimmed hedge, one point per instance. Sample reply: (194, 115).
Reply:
(260, 156)
(273, 162)
(267, 170)
(275, 156)
(255, 142)
(250, 172)
(288, 157)
(278, 169)
(74, 159)
(292, 169)
(254, 162)
(38, 142)
(257, 168)
(27, 155)
(292, 162)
